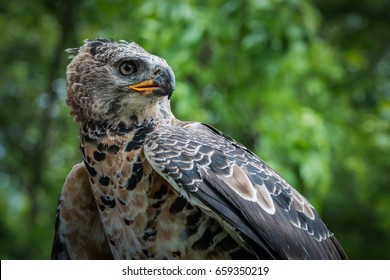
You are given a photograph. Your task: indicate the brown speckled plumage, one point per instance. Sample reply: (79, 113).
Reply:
(153, 187)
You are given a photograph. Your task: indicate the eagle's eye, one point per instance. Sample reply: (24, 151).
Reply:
(127, 68)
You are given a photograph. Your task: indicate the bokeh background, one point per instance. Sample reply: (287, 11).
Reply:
(304, 84)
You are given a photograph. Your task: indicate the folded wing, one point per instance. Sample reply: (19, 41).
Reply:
(228, 181)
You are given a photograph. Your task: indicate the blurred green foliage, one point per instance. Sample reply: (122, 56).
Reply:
(305, 84)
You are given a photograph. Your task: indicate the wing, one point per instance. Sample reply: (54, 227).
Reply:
(228, 181)
(79, 233)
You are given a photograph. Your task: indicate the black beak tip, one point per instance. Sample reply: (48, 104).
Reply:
(166, 80)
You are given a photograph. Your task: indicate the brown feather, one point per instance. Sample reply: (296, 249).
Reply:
(79, 227)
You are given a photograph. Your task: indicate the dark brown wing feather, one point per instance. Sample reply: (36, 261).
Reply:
(215, 172)
(79, 233)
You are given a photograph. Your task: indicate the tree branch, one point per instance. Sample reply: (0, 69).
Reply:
(39, 152)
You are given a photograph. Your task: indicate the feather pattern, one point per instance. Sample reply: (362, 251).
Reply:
(79, 231)
(215, 172)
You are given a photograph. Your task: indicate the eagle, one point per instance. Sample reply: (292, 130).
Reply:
(153, 187)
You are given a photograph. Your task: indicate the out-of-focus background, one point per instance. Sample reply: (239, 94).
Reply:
(304, 84)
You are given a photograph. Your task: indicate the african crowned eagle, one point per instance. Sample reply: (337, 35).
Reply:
(153, 187)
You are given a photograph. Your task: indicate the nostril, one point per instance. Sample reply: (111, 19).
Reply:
(157, 71)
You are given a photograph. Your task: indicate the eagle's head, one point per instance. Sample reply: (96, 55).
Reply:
(111, 81)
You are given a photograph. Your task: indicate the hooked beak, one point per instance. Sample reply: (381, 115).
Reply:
(162, 84)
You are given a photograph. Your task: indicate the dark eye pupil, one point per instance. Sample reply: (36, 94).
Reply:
(128, 67)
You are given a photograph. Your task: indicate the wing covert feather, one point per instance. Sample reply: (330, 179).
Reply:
(217, 173)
